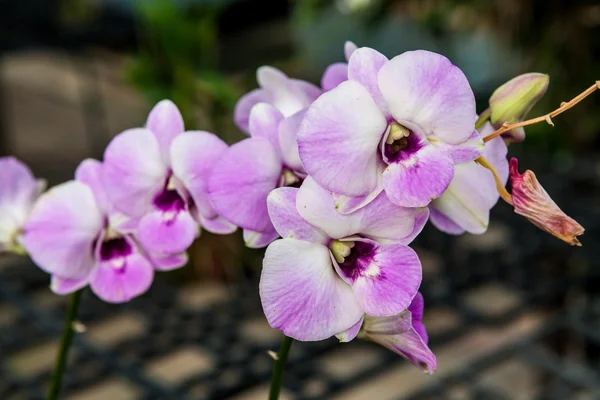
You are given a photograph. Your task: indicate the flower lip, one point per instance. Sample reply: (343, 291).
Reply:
(359, 260)
(400, 144)
(115, 249)
(169, 200)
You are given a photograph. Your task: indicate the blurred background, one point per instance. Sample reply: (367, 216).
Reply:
(512, 314)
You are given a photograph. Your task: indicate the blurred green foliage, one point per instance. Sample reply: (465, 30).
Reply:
(177, 59)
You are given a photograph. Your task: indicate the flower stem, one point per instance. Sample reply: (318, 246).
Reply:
(564, 106)
(499, 185)
(278, 367)
(65, 344)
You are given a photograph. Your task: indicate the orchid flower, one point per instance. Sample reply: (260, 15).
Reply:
(330, 269)
(158, 176)
(74, 234)
(246, 172)
(18, 191)
(396, 125)
(466, 203)
(532, 201)
(337, 73)
(403, 334)
(287, 95)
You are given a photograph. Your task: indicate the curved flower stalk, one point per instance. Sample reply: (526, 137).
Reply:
(74, 234)
(337, 73)
(396, 125)
(158, 176)
(465, 205)
(246, 172)
(285, 94)
(330, 269)
(18, 191)
(403, 334)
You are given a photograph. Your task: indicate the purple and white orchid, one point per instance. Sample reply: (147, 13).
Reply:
(246, 172)
(330, 269)
(18, 191)
(403, 334)
(286, 95)
(397, 125)
(74, 234)
(158, 176)
(466, 203)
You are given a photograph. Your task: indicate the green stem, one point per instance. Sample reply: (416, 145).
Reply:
(65, 344)
(485, 115)
(279, 367)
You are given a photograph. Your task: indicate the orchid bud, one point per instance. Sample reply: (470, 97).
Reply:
(513, 100)
(533, 202)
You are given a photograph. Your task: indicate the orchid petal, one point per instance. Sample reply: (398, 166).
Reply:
(419, 179)
(194, 154)
(286, 219)
(288, 141)
(167, 232)
(62, 286)
(119, 285)
(62, 229)
(334, 75)
(301, 293)
(349, 334)
(166, 122)
(241, 181)
(384, 278)
(264, 122)
(258, 240)
(241, 113)
(426, 89)
(344, 121)
(363, 67)
(134, 171)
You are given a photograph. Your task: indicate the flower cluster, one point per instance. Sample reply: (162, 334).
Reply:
(337, 181)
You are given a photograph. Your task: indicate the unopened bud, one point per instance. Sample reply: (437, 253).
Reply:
(511, 102)
(533, 202)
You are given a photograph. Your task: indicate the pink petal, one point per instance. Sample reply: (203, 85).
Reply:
(349, 334)
(167, 232)
(194, 155)
(422, 177)
(348, 205)
(363, 67)
(241, 181)
(258, 240)
(18, 191)
(241, 113)
(462, 152)
(380, 220)
(217, 225)
(165, 122)
(443, 223)
(349, 48)
(344, 121)
(170, 262)
(426, 89)
(397, 334)
(302, 294)
(264, 122)
(288, 141)
(285, 94)
(134, 173)
(62, 229)
(119, 285)
(286, 219)
(89, 172)
(62, 286)
(384, 278)
(469, 198)
(334, 75)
